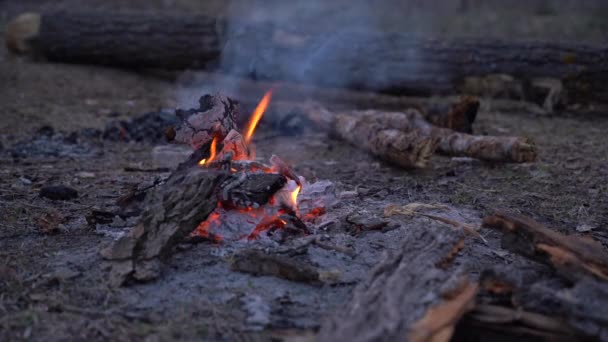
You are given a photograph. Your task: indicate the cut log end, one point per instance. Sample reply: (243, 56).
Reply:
(20, 31)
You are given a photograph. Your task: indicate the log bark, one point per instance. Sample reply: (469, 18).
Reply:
(174, 210)
(390, 62)
(408, 295)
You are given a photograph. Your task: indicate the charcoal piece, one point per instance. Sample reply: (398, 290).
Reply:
(244, 190)
(58, 192)
(48, 143)
(148, 127)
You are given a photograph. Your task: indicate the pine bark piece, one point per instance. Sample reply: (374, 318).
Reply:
(405, 149)
(571, 256)
(432, 66)
(452, 143)
(400, 291)
(215, 117)
(174, 210)
(259, 263)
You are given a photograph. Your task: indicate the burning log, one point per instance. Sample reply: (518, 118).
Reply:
(571, 256)
(430, 299)
(174, 210)
(136, 40)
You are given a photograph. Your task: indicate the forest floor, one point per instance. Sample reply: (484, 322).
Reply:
(52, 286)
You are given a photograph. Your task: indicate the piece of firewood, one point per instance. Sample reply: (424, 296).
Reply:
(215, 117)
(411, 293)
(147, 40)
(572, 256)
(173, 210)
(406, 149)
(452, 143)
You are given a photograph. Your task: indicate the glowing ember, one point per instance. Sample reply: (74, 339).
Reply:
(257, 115)
(212, 153)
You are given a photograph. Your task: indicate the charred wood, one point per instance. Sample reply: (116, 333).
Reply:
(572, 256)
(173, 211)
(408, 295)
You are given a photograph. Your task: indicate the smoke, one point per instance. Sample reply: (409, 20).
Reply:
(336, 44)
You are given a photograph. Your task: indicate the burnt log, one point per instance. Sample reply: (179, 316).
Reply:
(412, 294)
(173, 211)
(410, 65)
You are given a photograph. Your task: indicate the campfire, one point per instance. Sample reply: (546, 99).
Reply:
(237, 220)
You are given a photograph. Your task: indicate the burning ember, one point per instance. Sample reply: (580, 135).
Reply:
(237, 221)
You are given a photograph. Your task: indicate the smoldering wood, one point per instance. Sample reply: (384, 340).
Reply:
(262, 51)
(452, 143)
(215, 118)
(572, 256)
(172, 211)
(399, 291)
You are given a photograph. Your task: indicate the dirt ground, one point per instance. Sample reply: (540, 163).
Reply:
(52, 286)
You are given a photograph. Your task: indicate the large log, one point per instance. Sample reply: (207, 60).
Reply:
(376, 61)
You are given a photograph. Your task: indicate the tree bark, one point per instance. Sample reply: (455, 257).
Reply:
(376, 61)
(395, 302)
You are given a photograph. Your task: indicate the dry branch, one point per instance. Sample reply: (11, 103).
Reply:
(406, 149)
(572, 256)
(491, 148)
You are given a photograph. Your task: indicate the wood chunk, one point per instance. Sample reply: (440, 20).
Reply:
(250, 189)
(258, 262)
(172, 211)
(215, 117)
(400, 290)
(458, 117)
(406, 149)
(572, 256)
(438, 323)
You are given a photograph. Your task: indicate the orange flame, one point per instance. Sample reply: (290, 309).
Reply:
(212, 153)
(257, 115)
(294, 196)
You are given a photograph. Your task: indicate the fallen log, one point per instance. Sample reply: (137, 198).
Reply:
(406, 149)
(173, 210)
(411, 294)
(368, 129)
(452, 143)
(572, 256)
(432, 66)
